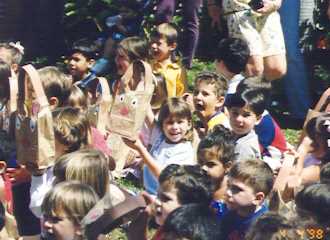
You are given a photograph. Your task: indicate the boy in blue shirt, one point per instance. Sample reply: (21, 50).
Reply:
(249, 183)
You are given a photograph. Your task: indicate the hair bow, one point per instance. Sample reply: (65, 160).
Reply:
(18, 46)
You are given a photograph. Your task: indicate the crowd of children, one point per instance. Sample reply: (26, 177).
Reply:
(213, 161)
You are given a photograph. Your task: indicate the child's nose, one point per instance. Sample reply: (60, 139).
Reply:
(239, 118)
(154, 45)
(229, 193)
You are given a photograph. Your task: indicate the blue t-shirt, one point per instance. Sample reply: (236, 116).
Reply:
(235, 226)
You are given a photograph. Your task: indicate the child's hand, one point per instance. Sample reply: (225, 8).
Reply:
(135, 144)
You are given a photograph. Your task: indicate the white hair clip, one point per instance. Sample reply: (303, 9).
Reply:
(18, 46)
(327, 123)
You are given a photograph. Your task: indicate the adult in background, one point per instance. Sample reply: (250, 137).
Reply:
(258, 23)
(296, 80)
(164, 13)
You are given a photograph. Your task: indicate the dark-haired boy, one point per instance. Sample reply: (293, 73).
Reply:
(242, 120)
(231, 57)
(249, 183)
(82, 59)
(271, 139)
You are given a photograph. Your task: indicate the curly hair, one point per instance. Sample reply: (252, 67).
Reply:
(191, 181)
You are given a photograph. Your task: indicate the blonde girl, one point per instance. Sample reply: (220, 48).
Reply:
(63, 208)
(72, 132)
(171, 138)
(86, 166)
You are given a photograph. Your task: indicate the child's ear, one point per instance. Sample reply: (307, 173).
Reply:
(53, 102)
(78, 231)
(220, 102)
(91, 63)
(228, 166)
(173, 46)
(259, 198)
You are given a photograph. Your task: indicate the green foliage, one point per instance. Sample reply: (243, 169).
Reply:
(197, 67)
(315, 42)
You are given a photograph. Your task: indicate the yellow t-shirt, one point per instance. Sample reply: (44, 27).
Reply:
(219, 118)
(175, 77)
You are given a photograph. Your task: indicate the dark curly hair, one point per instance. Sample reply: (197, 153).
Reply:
(192, 183)
(222, 140)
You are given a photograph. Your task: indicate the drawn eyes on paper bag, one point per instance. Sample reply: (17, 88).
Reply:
(18, 123)
(33, 124)
(126, 104)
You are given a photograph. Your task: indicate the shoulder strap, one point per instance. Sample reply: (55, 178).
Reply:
(13, 86)
(148, 82)
(106, 96)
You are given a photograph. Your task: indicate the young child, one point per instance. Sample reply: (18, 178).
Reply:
(231, 58)
(209, 96)
(313, 205)
(271, 225)
(72, 131)
(242, 120)
(178, 185)
(171, 142)
(90, 167)
(64, 206)
(192, 221)
(82, 59)
(57, 86)
(12, 54)
(249, 183)
(163, 46)
(318, 131)
(271, 139)
(216, 154)
(129, 50)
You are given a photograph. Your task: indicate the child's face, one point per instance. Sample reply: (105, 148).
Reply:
(167, 202)
(122, 62)
(206, 102)
(175, 128)
(239, 196)
(242, 120)
(160, 49)
(209, 160)
(79, 66)
(61, 228)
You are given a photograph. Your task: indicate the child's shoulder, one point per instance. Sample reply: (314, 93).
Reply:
(218, 118)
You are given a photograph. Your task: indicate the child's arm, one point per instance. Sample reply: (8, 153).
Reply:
(150, 117)
(154, 167)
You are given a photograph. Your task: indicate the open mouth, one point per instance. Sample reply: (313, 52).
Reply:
(199, 107)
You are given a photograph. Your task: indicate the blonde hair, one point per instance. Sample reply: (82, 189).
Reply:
(72, 198)
(88, 166)
(78, 98)
(71, 128)
(55, 83)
